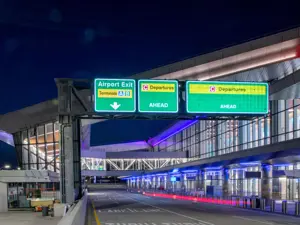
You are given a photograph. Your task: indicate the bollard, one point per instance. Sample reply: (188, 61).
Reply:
(245, 203)
(237, 202)
(284, 205)
(272, 207)
(253, 203)
(262, 204)
(297, 208)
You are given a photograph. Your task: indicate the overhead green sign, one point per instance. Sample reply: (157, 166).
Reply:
(158, 96)
(213, 97)
(114, 95)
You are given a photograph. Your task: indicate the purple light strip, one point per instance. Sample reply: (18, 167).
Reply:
(7, 138)
(250, 164)
(175, 132)
(189, 171)
(282, 165)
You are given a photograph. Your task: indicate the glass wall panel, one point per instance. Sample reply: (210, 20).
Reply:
(39, 147)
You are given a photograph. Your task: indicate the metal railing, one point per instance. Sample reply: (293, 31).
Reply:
(254, 203)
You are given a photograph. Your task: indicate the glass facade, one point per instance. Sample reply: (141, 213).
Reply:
(206, 139)
(38, 147)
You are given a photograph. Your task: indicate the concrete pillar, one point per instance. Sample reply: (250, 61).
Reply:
(225, 182)
(201, 183)
(266, 182)
(70, 167)
(67, 169)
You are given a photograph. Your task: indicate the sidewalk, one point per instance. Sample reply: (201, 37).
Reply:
(27, 218)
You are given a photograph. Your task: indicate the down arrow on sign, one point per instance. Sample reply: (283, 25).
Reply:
(115, 106)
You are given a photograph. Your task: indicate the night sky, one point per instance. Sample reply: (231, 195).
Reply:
(42, 40)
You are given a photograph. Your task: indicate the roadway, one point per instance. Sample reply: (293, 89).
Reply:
(118, 207)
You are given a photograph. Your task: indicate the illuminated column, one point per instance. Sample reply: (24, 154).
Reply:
(225, 183)
(154, 182)
(143, 185)
(202, 180)
(183, 182)
(158, 179)
(266, 182)
(165, 182)
(140, 182)
(169, 183)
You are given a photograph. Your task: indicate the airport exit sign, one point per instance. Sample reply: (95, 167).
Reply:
(214, 97)
(114, 95)
(158, 96)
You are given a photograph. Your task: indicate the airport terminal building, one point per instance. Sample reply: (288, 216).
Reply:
(242, 157)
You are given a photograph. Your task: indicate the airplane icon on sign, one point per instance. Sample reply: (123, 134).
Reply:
(145, 87)
(212, 89)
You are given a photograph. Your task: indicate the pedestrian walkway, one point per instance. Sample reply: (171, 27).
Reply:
(26, 218)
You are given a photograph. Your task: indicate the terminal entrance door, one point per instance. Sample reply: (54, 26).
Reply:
(292, 189)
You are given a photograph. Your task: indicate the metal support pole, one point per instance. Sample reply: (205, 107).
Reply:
(272, 208)
(253, 203)
(284, 205)
(297, 208)
(262, 204)
(237, 202)
(245, 202)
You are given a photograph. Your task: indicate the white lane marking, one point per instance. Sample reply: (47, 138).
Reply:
(253, 220)
(178, 214)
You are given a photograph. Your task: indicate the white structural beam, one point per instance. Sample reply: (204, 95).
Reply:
(129, 164)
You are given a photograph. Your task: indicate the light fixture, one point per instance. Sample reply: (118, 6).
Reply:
(7, 166)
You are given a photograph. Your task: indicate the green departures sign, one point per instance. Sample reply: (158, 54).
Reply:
(114, 95)
(226, 97)
(158, 96)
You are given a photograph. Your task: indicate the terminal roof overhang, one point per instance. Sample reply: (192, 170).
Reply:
(230, 63)
(278, 153)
